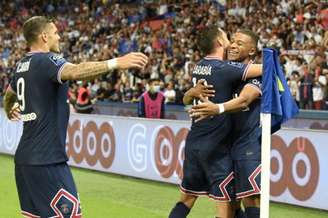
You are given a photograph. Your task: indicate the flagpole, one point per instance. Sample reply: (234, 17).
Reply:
(265, 164)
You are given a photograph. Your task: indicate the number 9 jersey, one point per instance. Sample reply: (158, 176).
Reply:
(42, 99)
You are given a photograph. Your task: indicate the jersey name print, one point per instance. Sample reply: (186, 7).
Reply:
(42, 99)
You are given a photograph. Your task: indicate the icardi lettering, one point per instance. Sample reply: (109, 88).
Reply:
(23, 67)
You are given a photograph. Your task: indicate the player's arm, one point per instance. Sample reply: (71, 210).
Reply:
(90, 70)
(208, 108)
(12, 111)
(254, 70)
(195, 92)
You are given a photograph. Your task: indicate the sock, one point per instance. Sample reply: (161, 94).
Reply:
(180, 210)
(252, 212)
(239, 213)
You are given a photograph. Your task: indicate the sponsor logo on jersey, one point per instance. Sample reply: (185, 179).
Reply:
(28, 117)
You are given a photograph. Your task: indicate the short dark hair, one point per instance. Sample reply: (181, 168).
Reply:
(153, 80)
(33, 27)
(206, 39)
(251, 34)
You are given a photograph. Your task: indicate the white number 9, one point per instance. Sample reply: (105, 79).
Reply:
(20, 93)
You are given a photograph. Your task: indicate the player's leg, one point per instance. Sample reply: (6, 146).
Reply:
(183, 207)
(248, 185)
(220, 176)
(53, 191)
(27, 206)
(252, 206)
(193, 184)
(238, 211)
(224, 210)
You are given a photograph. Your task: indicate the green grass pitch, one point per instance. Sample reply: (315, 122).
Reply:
(112, 196)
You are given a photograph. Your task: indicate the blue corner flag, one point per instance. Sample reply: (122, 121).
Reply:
(276, 96)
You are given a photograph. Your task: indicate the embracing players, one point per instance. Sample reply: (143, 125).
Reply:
(208, 168)
(246, 132)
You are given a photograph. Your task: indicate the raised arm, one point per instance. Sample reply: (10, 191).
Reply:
(90, 70)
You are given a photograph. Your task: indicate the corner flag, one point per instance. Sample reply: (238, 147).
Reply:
(276, 98)
(277, 107)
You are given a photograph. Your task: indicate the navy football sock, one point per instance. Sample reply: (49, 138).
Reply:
(239, 213)
(180, 210)
(252, 212)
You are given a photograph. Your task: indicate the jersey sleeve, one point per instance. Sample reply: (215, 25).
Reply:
(256, 83)
(53, 65)
(235, 71)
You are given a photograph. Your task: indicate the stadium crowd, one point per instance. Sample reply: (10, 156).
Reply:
(166, 31)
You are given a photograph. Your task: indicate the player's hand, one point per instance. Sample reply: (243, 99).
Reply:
(202, 89)
(204, 109)
(136, 60)
(14, 113)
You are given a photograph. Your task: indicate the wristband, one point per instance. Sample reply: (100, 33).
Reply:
(221, 108)
(112, 64)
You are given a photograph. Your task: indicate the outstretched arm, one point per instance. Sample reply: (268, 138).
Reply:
(208, 108)
(90, 70)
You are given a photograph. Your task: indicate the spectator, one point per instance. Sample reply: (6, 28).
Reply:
(83, 103)
(319, 90)
(306, 91)
(103, 92)
(170, 93)
(151, 104)
(294, 85)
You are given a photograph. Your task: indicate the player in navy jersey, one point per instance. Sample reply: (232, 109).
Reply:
(207, 169)
(44, 182)
(246, 132)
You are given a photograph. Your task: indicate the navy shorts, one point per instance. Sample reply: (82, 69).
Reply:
(47, 191)
(208, 173)
(246, 158)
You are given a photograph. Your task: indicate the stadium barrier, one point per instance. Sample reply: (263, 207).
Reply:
(153, 149)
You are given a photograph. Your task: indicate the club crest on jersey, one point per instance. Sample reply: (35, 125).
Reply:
(57, 59)
(236, 64)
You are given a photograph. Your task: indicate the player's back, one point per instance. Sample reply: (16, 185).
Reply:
(223, 75)
(44, 109)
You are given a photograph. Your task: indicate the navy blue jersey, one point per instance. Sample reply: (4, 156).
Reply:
(223, 75)
(246, 123)
(42, 97)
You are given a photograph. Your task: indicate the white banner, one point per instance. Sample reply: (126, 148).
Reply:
(154, 149)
